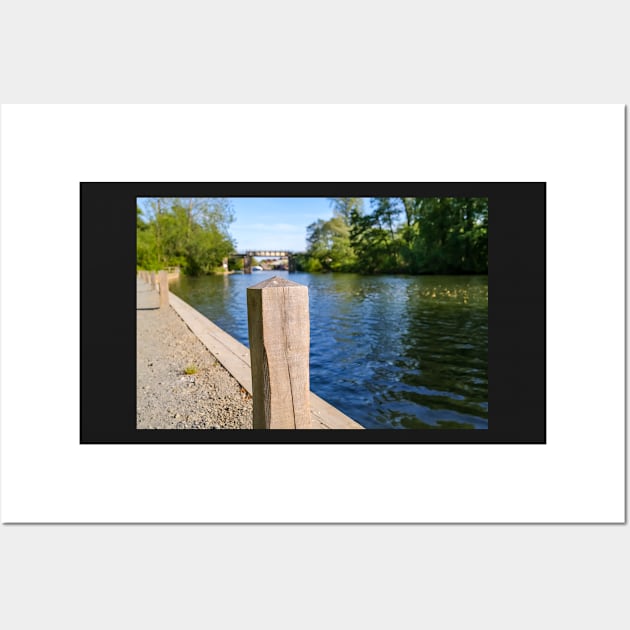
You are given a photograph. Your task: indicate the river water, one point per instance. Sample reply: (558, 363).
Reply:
(403, 352)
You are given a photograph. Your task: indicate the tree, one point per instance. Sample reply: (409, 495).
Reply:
(402, 234)
(374, 236)
(329, 246)
(452, 235)
(344, 206)
(191, 233)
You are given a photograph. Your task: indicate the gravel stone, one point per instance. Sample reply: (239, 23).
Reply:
(166, 397)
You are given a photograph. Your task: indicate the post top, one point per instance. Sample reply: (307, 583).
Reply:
(276, 283)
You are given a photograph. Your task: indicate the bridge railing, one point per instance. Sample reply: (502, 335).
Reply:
(248, 256)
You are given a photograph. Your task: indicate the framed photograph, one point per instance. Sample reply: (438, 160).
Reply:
(422, 321)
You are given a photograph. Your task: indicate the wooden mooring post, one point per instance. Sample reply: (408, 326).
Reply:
(279, 339)
(153, 280)
(163, 288)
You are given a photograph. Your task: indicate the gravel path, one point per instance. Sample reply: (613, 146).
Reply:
(167, 397)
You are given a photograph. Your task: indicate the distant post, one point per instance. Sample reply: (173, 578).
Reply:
(153, 280)
(279, 339)
(163, 288)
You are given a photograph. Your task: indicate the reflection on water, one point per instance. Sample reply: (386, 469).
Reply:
(408, 352)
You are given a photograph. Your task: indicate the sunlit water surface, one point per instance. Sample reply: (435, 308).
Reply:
(403, 352)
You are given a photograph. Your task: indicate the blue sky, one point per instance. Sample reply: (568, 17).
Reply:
(275, 222)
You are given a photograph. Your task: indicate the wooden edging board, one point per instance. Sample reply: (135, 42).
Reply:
(234, 356)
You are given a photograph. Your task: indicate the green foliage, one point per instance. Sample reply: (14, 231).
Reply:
(329, 245)
(452, 236)
(302, 261)
(189, 233)
(401, 235)
(344, 206)
(374, 236)
(140, 224)
(312, 265)
(190, 369)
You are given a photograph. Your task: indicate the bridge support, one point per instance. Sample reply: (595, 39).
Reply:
(247, 264)
(291, 263)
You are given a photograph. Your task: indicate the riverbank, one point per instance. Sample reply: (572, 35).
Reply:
(167, 397)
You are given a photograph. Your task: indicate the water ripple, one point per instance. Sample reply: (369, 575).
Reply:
(390, 351)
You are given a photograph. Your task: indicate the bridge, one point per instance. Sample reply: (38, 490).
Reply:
(266, 253)
(262, 253)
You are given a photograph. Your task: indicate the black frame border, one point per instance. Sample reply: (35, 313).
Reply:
(516, 312)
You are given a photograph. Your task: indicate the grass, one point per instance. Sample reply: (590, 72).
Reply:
(190, 369)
